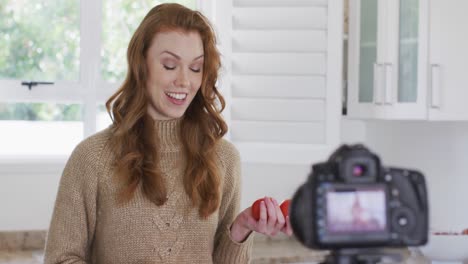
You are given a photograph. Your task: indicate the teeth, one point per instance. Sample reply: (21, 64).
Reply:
(178, 96)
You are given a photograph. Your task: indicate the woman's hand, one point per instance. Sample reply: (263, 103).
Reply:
(270, 223)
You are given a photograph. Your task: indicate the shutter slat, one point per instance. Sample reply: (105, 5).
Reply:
(278, 110)
(279, 63)
(291, 18)
(278, 86)
(274, 132)
(279, 41)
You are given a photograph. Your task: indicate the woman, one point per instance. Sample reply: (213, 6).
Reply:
(160, 185)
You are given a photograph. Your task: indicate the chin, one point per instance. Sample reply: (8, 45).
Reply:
(167, 115)
(175, 115)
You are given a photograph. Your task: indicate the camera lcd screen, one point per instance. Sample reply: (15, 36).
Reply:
(356, 210)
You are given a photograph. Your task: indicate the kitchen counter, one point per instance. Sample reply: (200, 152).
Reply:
(283, 250)
(264, 252)
(25, 249)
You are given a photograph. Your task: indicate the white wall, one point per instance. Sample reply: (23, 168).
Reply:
(440, 151)
(282, 180)
(27, 199)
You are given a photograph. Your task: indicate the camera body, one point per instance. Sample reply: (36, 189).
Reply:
(351, 201)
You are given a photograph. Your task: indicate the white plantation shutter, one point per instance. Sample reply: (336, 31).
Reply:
(282, 77)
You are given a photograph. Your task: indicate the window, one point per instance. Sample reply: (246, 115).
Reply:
(59, 62)
(39, 43)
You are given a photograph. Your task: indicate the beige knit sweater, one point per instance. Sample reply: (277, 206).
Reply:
(89, 227)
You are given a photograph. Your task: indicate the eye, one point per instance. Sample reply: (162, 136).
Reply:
(168, 68)
(196, 67)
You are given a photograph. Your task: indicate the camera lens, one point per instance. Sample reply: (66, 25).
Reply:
(358, 170)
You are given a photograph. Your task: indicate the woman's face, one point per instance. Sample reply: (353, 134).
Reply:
(175, 67)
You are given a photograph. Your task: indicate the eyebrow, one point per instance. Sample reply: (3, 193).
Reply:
(178, 57)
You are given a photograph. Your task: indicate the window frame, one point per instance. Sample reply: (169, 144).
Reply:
(90, 89)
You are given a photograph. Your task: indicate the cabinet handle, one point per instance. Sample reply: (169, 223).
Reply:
(435, 85)
(378, 83)
(388, 83)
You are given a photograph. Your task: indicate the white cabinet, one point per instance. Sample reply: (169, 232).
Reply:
(448, 59)
(407, 59)
(387, 54)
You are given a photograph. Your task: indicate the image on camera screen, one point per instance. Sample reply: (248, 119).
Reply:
(359, 210)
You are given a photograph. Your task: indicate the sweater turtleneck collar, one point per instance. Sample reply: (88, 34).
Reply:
(168, 132)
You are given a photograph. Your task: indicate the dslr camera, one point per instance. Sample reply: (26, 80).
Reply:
(352, 201)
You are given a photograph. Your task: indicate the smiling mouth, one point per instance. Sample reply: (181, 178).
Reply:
(177, 96)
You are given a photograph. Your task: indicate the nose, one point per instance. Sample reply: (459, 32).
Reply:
(182, 79)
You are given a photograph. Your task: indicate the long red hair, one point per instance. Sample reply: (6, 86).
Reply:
(201, 126)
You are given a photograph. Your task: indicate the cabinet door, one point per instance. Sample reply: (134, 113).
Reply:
(448, 53)
(364, 67)
(387, 59)
(406, 59)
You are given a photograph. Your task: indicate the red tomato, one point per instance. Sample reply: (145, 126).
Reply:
(285, 207)
(256, 209)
